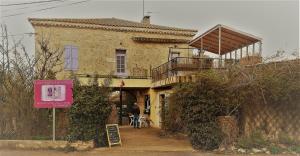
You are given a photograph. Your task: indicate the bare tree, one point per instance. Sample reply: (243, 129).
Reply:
(18, 70)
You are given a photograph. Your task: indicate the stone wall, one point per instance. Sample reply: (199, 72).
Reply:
(273, 121)
(97, 48)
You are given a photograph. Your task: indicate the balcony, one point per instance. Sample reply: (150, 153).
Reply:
(221, 41)
(181, 66)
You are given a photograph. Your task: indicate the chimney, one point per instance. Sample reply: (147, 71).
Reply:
(146, 20)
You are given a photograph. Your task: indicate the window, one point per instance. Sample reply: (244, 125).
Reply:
(71, 57)
(120, 57)
(173, 55)
(147, 106)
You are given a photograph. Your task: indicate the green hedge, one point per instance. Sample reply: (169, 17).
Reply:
(89, 113)
(199, 105)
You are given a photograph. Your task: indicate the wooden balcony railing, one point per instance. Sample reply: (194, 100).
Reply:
(186, 64)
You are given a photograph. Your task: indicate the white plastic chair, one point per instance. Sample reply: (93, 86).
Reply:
(142, 121)
(131, 120)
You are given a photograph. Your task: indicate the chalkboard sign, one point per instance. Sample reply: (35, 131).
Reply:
(113, 134)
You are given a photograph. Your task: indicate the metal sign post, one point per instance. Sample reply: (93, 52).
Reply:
(53, 124)
(53, 94)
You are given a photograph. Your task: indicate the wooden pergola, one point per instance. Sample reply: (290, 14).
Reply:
(222, 40)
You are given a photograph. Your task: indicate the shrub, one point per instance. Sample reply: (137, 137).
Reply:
(206, 136)
(254, 140)
(286, 140)
(275, 149)
(200, 103)
(175, 119)
(89, 113)
(295, 148)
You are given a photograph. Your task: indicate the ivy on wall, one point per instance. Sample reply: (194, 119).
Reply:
(89, 113)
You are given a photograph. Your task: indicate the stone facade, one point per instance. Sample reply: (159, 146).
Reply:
(146, 45)
(97, 48)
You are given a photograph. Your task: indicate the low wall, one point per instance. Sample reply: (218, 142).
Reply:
(43, 145)
(272, 120)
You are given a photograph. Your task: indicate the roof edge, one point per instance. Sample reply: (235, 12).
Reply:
(153, 25)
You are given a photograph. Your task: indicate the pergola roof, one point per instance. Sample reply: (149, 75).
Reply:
(230, 40)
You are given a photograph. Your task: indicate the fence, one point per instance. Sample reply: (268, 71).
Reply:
(178, 65)
(272, 120)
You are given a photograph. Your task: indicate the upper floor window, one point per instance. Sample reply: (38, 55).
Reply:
(173, 55)
(71, 57)
(121, 61)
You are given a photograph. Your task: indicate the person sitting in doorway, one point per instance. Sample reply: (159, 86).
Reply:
(136, 115)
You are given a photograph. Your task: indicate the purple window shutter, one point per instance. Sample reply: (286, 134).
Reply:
(67, 57)
(74, 58)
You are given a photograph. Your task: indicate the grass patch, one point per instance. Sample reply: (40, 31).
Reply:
(295, 148)
(255, 140)
(287, 140)
(274, 149)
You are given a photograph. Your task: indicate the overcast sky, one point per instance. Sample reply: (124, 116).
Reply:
(277, 22)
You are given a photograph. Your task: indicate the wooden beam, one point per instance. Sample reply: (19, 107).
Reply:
(215, 40)
(239, 35)
(233, 39)
(204, 34)
(208, 47)
(223, 49)
(220, 42)
(209, 43)
(208, 40)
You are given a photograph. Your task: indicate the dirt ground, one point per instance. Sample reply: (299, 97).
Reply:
(135, 142)
(148, 139)
(97, 153)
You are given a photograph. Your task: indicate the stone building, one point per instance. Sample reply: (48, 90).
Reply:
(149, 59)
(125, 50)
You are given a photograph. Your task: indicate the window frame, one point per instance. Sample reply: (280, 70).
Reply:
(121, 53)
(71, 58)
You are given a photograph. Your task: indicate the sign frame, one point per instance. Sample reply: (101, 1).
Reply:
(59, 95)
(107, 134)
(67, 102)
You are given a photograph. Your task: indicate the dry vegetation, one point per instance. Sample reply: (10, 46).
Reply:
(18, 118)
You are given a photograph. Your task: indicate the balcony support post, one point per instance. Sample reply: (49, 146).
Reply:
(220, 57)
(260, 48)
(253, 49)
(235, 55)
(247, 53)
(241, 53)
(201, 46)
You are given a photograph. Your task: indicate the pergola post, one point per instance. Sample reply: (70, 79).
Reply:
(230, 55)
(241, 53)
(253, 49)
(201, 45)
(235, 55)
(260, 48)
(220, 57)
(247, 53)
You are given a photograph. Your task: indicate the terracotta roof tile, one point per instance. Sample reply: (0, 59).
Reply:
(107, 22)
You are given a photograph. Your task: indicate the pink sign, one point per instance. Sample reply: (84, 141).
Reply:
(53, 93)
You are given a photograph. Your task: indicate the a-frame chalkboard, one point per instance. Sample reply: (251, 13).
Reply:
(113, 134)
